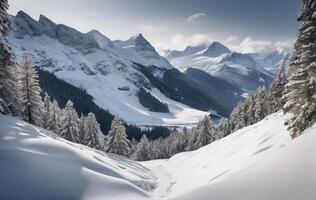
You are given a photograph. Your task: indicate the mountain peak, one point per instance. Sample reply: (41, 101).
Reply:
(22, 13)
(45, 20)
(216, 49)
(139, 36)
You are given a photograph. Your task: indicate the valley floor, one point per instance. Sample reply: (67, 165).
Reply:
(257, 162)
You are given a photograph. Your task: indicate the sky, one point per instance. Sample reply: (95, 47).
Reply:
(244, 25)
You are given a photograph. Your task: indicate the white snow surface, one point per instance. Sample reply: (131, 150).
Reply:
(38, 164)
(257, 162)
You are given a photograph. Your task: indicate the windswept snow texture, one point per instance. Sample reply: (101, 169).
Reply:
(38, 164)
(91, 61)
(258, 162)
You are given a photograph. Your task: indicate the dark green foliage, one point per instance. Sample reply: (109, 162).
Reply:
(151, 102)
(83, 103)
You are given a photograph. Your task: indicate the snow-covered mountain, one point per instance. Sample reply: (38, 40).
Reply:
(189, 50)
(215, 49)
(142, 52)
(110, 72)
(271, 61)
(248, 71)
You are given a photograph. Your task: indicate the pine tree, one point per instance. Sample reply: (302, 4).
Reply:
(46, 111)
(143, 152)
(70, 123)
(133, 145)
(277, 90)
(81, 128)
(300, 91)
(251, 111)
(192, 137)
(117, 141)
(260, 106)
(224, 128)
(8, 67)
(30, 99)
(93, 137)
(54, 121)
(206, 133)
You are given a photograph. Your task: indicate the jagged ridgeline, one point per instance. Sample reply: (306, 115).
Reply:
(83, 103)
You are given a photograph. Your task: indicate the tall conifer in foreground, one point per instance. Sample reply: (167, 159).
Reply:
(93, 136)
(70, 123)
(143, 152)
(300, 91)
(29, 93)
(117, 141)
(8, 67)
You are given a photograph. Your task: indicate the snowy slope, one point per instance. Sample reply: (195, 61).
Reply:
(257, 162)
(37, 164)
(91, 61)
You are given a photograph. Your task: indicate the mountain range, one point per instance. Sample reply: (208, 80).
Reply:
(248, 71)
(113, 72)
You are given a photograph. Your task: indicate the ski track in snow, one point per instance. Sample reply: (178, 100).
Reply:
(164, 180)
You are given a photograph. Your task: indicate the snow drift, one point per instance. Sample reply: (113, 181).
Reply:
(257, 162)
(38, 164)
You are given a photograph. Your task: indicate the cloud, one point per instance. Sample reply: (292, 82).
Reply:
(180, 41)
(250, 45)
(149, 28)
(231, 40)
(197, 17)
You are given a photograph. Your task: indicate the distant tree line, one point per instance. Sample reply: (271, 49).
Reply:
(151, 102)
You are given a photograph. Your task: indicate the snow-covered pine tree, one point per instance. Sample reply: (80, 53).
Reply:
(93, 136)
(300, 91)
(276, 90)
(192, 137)
(30, 100)
(143, 152)
(236, 117)
(117, 141)
(251, 110)
(206, 133)
(260, 108)
(70, 123)
(8, 67)
(133, 145)
(184, 138)
(54, 120)
(46, 111)
(81, 128)
(224, 128)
